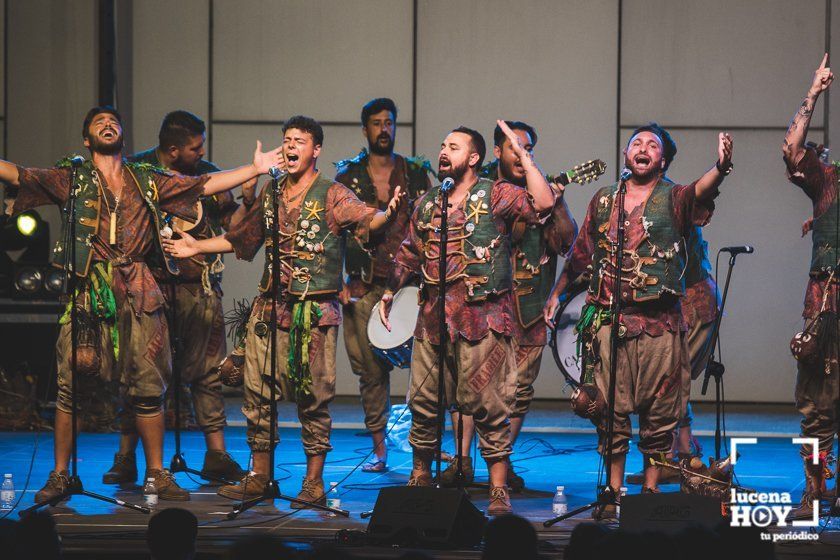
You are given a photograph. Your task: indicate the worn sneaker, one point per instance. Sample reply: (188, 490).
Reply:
(311, 491)
(220, 465)
(56, 484)
(251, 485)
(447, 477)
(123, 471)
(648, 490)
(167, 488)
(499, 501)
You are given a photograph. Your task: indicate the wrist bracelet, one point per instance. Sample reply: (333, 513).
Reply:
(726, 171)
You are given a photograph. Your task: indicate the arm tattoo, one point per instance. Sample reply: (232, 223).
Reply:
(802, 118)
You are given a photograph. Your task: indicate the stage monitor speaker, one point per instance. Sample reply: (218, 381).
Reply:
(431, 517)
(668, 512)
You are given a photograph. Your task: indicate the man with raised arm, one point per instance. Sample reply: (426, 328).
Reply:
(315, 214)
(480, 375)
(195, 317)
(119, 208)
(535, 250)
(817, 377)
(652, 362)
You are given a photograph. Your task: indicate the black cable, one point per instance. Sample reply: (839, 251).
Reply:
(38, 430)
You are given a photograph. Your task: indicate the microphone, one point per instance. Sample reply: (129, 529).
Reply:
(76, 161)
(625, 174)
(738, 249)
(276, 173)
(447, 185)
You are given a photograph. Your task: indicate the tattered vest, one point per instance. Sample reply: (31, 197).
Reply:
(314, 263)
(211, 212)
(533, 279)
(698, 268)
(89, 205)
(656, 266)
(358, 261)
(484, 251)
(824, 250)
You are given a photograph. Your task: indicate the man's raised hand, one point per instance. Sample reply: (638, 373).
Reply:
(515, 142)
(724, 149)
(822, 77)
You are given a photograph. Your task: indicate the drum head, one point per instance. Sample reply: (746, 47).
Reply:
(564, 339)
(403, 319)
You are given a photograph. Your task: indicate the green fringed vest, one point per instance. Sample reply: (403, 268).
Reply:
(316, 257)
(824, 253)
(210, 204)
(486, 268)
(658, 263)
(354, 175)
(533, 281)
(89, 205)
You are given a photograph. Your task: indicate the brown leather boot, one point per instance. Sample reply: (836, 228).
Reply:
(123, 471)
(166, 486)
(56, 484)
(219, 464)
(251, 485)
(515, 482)
(814, 488)
(420, 479)
(311, 490)
(499, 501)
(447, 477)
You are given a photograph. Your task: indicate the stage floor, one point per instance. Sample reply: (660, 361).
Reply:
(556, 448)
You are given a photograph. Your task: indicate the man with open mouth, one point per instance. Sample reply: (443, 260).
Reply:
(119, 209)
(196, 323)
(480, 373)
(314, 215)
(652, 359)
(535, 250)
(373, 175)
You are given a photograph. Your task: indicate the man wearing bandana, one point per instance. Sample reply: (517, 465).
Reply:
(652, 362)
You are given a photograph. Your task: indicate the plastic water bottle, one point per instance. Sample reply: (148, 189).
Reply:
(333, 497)
(150, 493)
(7, 493)
(621, 493)
(559, 506)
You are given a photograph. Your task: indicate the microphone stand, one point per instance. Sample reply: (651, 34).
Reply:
(272, 488)
(74, 486)
(606, 493)
(715, 368)
(443, 333)
(178, 462)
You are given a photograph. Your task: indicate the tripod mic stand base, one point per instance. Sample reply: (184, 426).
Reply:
(606, 497)
(179, 464)
(75, 488)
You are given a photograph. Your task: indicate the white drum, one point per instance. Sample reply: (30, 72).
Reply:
(564, 339)
(395, 346)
